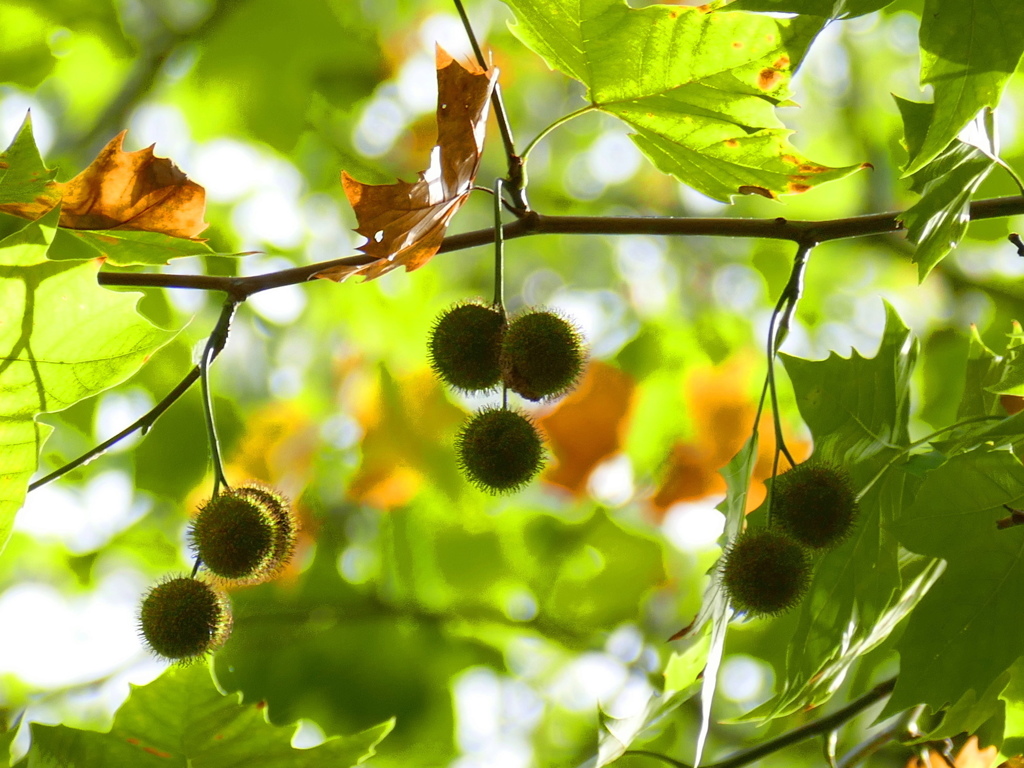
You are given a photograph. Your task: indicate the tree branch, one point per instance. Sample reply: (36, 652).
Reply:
(798, 231)
(816, 728)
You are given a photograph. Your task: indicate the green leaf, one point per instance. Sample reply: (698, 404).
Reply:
(124, 248)
(957, 639)
(968, 52)
(700, 88)
(857, 409)
(938, 221)
(831, 9)
(24, 179)
(182, 719)
(62, 338)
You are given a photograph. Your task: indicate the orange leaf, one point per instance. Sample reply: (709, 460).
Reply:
(723, 415)
(405, 223)
(133, 190)
(968, 757)
(588, 426)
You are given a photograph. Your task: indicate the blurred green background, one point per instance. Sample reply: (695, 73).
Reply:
(493, 629)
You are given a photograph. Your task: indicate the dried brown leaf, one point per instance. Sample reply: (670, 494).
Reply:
(133, 190)
(404, 223)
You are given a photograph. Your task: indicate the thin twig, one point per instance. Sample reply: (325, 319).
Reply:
(143, 423)
(816, 728)
(217, 341)
(537, 224)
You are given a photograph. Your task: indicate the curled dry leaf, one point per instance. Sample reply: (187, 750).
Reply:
(133, 190)
(404, 223)
(118, 191)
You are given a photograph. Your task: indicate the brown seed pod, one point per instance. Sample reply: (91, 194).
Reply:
(500, 450)
(286, 527)
(234, 536)
(465, 345)
(765, 572)
(184, 618)
(815, 503)
(541, 355)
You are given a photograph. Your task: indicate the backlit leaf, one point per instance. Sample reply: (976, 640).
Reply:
(405, 223)
(938, 221)
(182, 719)
(966, 56)
(699, 88)
(27, 187)
(92, 339)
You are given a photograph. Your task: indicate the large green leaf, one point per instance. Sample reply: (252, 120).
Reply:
(123, 248)
(834, 9)
(181, 719)
(700, 88)
(857, 409)
(938, 221)
(62, 338)
(960, 638)
(967, 55)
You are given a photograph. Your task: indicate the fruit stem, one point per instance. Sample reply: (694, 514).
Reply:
(778, 329)
(499, 251)
(218, 339)
(815, 728)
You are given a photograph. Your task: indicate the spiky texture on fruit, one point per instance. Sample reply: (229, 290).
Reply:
(765, 572)
(465, 345)
(815, 503)
(500, 450)
(233, 535)
(541, 355)
(184, 618)
(286, 527)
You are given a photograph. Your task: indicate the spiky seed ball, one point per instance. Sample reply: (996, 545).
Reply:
(285, 525)
(815, 503)
(541, 355)
(465, 345)
(233, 535)
(184, 618)
(765, 572)
(500, 450)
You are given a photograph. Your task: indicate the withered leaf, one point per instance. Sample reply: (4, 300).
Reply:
(119, 190)
(133, 190)
(723, 415)
(588, 426)
(404, 223)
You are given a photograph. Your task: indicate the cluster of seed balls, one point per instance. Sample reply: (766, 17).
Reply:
(245, 535)
(767, 571)
(537, 354)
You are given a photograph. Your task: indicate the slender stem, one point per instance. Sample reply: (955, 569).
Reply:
(499, 251)
(821, 726)
(534, 223)
(784, 312)
(218, 339)
(559, 122)
(143, 423)
(903, 727)
(516, 176)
